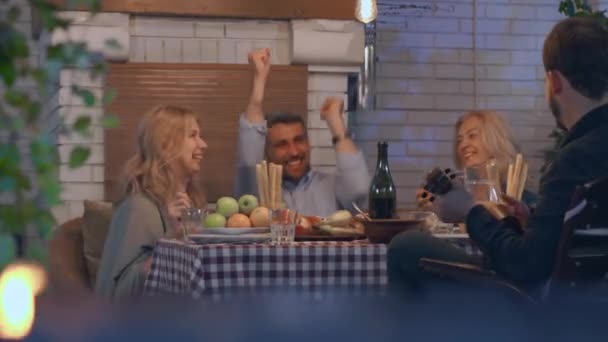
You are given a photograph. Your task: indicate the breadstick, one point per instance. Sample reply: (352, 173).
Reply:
(522, 181)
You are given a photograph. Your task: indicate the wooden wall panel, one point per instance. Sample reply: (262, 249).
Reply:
(218, 92)
(267, 9)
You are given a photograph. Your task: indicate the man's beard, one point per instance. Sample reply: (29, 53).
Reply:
(557, 113)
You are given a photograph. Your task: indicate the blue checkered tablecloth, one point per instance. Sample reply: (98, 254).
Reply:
(180, 268)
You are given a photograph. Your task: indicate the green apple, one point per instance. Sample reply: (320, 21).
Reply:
(227, 206)
(247, 203)
(215, 220)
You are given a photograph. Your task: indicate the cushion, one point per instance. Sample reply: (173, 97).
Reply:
(67, 269)
(96, 222)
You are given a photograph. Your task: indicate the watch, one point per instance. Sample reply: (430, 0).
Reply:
(337, 138)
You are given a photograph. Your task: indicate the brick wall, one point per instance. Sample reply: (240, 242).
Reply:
(446, 58)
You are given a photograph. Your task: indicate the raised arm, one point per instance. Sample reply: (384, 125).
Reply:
(352, 176)
(260, 60)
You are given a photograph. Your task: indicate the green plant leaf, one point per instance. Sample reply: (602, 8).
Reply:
(110, 121)
(87, 96)
(13, 14)
(82, 124)
(79, 156)
(8, 73)
(37, 252)
(112, 43)
(15, 98)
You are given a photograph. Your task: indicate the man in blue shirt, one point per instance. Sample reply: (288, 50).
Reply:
(282, 138)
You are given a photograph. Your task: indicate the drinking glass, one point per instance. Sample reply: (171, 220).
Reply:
(191, 220)
(483, 182)
(282, 225)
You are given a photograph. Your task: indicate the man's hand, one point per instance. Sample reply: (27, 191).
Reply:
(331, 112)
(260, 59)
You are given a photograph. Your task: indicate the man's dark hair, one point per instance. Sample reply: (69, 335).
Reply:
(578, 48)
(285, 118)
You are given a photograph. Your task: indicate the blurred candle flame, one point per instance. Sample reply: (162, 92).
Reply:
(19, 284)
(366, 11)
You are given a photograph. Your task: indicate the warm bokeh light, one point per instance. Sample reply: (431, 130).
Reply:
(19, 284)
(366, 11)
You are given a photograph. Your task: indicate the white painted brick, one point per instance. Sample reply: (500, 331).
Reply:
(531, 27)
(548, 13)
(158, 27)
(454, 71)
(82, 191)
(461, 102)
(416, 55)
(466, 87)
(461, 40)
(510, 72)
(210, 51)
(430, 25)
(82, 78)
(390, 101)
(395, 133)
(191, 51)
(282, 55)
(322, 156)
(526, 57)
(61, 213)
(406, 70)
(380, 117)
(540, 73)
(81, 174)
(494, 87)
(391, 85)
(465, 56)
(505, 42)
(492, 26)
(523, 133)
(511, 102)
(540, 103)
(98, 174)
(173, 51)
(96, 136)
(314, 120)
(433, 86)
(392, 39)
(446, 133)
(432, 118)
(154, 50)
(528, 2)
(137, 49)
(69, 114)
(399, 163)
(96, 157)
(227, 51)
(492, 57)
(510, 11)
(257, 30)
(527, 88)
(429, 148)
(370, 149)
(243, 48)
(407, 179)
(320, 137)
(460, 10)
(327, 82)
(67, 98)
(209, 29)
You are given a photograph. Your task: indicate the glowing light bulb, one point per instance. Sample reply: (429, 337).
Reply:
(366, 11)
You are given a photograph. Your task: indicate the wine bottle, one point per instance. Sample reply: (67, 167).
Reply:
(382, 192)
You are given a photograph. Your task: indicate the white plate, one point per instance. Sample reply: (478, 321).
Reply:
(234, 231)
(215, 238)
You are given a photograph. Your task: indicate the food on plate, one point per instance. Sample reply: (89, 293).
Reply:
(215, 220)
(247, 203)
(238, 221)
(260, 217)
(227, 206)
(340, 218)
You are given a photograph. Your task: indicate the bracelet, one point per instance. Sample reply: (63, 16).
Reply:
(337, 138)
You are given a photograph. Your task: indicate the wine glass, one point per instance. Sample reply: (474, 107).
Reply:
(191, 220)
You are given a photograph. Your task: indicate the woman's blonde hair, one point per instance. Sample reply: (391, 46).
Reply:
(153, 169)
(495, 135)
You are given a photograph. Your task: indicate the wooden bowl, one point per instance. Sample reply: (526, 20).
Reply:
(384, 230)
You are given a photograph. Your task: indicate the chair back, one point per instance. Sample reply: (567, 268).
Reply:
(581, 263)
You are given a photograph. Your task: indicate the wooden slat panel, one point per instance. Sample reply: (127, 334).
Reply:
(268, 9)
(218, 92)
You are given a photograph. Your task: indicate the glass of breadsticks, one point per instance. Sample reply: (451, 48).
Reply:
(269, 178)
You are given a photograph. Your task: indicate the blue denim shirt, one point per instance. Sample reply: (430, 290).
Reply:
(317, 193)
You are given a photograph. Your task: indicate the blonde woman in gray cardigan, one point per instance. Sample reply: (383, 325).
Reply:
(159, 182)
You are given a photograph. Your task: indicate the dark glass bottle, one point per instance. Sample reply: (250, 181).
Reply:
(382, 192)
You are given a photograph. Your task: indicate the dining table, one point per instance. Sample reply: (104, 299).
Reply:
(316, 268)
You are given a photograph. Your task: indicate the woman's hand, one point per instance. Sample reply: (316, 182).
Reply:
(424, 199)
(175, 207)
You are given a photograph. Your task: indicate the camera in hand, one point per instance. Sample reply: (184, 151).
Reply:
(438, 182)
